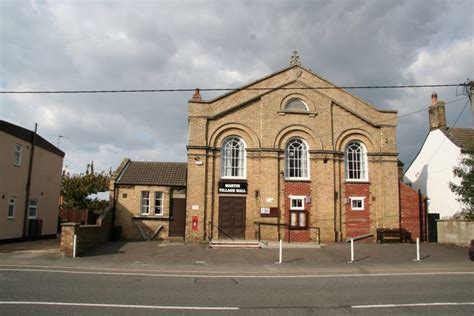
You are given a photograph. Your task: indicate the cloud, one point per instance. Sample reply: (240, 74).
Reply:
(48, 45)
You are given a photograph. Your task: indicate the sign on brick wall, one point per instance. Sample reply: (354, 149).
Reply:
(233, 187)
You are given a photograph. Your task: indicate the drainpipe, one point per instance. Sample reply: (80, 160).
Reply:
(280, 176)
(28, 183)
(211, 229)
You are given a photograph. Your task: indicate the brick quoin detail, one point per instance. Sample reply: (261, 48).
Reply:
(301, 189)
(357, 222)
(410, 211)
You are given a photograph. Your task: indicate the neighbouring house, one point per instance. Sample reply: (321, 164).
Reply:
(149, 199)
(30, 184)
(432, 169)
(279, 155)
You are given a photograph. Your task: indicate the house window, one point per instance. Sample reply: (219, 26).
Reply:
(356, 162)
(11, 207)
(357, 203)
(17, 157)
(233, 158)
(296, 157)
(158, 203)
(33, 209)
(295, 105)
(145, 203)
(298, 216)
(297, 202)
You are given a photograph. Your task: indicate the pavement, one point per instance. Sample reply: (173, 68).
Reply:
(195, 258)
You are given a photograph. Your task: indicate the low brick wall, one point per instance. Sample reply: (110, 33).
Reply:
(455, 232)
(88, 236)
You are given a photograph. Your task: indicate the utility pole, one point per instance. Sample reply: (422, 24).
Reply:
(470, 93)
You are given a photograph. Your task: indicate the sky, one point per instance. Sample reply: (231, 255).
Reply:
(101, 45)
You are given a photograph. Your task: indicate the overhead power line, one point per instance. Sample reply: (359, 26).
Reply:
(230, 89)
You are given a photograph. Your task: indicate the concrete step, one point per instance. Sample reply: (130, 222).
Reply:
(176, 239)
(253, 244)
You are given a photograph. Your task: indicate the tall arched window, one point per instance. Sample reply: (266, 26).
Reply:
(233, 158)
(356, 161)
(296, 159)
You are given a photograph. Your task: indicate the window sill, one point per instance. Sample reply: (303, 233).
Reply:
(240, 179)
(152, 217)
(357, 181)
(10, 218)
(297, 180)
(310, 114)
(298, 228)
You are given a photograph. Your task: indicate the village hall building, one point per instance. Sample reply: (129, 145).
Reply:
(285, 155)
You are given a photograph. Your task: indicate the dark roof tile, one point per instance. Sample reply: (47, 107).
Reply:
(461, 137)
(27, 136)
(154, 173)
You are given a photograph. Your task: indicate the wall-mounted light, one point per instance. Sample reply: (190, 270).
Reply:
(198, 161)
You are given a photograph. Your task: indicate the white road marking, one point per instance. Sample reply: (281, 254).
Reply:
(414, 305)
(169, 271)
(350, 275)
(120, 305)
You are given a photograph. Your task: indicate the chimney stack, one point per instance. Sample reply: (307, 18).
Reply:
(437, 113)
(196, 95)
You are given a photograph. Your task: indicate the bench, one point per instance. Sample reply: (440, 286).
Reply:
(393, 234)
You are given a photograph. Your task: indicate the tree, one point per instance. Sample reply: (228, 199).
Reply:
(465, 190)
(76, 189)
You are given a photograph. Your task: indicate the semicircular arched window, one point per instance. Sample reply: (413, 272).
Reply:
(296, 159)
(356, 161)
(295, 104)
(233, 158)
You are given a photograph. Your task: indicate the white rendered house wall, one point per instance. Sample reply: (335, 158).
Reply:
(432, 170)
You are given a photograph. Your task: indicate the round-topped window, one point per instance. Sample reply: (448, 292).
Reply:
(296, 105)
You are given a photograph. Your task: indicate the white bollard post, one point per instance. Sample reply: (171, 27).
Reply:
(281, 251)
(74, 246)
(418, 249)
(352, 249)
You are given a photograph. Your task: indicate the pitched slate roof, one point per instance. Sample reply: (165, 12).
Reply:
(154, 173)
(27, 135)
(461, 137)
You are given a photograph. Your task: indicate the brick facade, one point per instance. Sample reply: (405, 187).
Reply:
(413, 212)
(297, 189)
(358, 222)
(333, 118)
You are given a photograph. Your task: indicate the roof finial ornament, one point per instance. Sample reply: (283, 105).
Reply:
(295, 59)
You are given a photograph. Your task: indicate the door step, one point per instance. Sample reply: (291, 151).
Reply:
(246, 244)
(176, 239)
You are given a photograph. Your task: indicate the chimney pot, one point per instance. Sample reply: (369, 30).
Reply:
(197, 95)
(434, 98)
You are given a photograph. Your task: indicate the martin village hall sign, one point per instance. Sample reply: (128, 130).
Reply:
(233, 187)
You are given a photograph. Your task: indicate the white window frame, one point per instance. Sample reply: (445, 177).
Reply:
(145, 203)
(356, 168)
(33, 207)
(360, 199)
(303, 169)
(302, 198)
(17, 155)
(158, 196)
(233, 161)
(12, 207)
